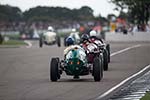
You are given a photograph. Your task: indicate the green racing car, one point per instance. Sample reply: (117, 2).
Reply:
(76, 64)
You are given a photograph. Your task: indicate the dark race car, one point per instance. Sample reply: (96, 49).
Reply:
(105, 49)
(98, 45)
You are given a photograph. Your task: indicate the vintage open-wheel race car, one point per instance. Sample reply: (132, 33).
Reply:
(76, 63)
(49, 38)
(74, 35)
(106, 52)
(103, 47)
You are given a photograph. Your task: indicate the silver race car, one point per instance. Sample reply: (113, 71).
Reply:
(49, 38)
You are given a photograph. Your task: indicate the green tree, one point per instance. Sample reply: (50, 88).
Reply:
(58, 13)
(139, 10)
(10, 14)
(86, 13)
(101, 20)
(110, 17)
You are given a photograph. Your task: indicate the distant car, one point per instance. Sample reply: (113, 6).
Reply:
(76, 64)
(49, 38)
(74, 35)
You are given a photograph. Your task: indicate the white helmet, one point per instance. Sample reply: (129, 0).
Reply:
(50, 28)
(73, 30)
(93, 33)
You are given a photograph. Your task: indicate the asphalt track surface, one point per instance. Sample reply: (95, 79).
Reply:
(24, 73)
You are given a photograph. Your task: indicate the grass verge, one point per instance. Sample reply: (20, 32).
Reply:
(13, 42)
(146, 97)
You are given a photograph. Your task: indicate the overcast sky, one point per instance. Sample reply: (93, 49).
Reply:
(99, 6)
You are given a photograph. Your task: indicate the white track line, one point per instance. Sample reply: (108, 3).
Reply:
(123, 82)
(29, 44)
(123, 50)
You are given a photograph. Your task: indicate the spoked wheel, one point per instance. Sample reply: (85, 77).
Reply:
(58, 41)
(40, 42)
(108, 50)
(97, 70)
(54, 69)
(105, 60)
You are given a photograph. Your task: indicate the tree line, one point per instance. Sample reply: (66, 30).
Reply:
(138, 10)
(9, 13)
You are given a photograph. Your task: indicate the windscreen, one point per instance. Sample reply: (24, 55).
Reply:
(76, 53)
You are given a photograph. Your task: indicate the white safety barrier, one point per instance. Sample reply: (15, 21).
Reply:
(131, 37)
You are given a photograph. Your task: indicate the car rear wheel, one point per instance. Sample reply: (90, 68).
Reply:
(54, 69)
(41, 42)
(65, 44)
(101, 58)
(105, 60)
(59, 71)
(58, 41)
(108, 50)
(97, 70)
